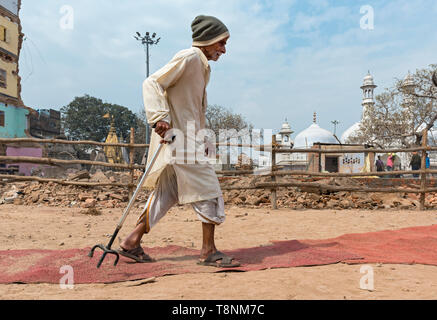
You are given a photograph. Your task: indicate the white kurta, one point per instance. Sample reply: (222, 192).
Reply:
(177, 94)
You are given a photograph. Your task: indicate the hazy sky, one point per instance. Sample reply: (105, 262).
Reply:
(285, 58)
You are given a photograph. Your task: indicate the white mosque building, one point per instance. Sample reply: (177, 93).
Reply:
(303, 140)
(315, 135)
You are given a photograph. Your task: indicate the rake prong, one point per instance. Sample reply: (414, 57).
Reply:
(101, 259)
(91, 253)
(117, 256)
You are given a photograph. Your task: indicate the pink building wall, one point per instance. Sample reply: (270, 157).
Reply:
(25, 168)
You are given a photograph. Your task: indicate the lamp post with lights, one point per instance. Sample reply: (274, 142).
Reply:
(147, 41)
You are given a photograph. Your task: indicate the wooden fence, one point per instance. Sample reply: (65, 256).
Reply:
(273, 185)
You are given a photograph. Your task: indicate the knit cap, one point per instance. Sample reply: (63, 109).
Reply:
(208, 30)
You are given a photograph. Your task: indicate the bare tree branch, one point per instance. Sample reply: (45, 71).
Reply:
(400, 113)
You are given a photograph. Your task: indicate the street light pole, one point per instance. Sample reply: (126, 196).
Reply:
(146, 41)
(147, 59)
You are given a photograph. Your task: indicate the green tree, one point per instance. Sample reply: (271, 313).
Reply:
(83, 119)
(140, 135)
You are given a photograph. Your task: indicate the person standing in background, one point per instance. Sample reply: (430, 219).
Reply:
(415, 163)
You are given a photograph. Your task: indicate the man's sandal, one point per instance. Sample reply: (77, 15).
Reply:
(136, 254)
(225, 261)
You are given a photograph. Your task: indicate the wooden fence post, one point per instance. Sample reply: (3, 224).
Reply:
(273, 176)
(131, 160)
(423, 167)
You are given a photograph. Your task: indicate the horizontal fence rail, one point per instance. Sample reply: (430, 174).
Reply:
(9, 178)
(325, 187)
(60, 141)
(358, 150)
(51, 161)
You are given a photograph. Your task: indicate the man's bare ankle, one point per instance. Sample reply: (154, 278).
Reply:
(128, 245)
(206, 252)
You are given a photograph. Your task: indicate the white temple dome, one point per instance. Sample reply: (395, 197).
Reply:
(313, 134)
(350, 132)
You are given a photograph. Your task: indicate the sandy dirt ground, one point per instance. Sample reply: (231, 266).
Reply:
(40, 227)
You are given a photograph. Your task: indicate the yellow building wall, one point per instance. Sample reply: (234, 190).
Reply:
(12, 34)
(11, 45)
(11, 79)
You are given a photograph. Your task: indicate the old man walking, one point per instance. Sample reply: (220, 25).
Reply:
(175, 99)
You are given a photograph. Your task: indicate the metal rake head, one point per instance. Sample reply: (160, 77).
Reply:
(106, 251)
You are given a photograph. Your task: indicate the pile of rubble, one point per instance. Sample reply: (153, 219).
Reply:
(316, 198)
(53, 194)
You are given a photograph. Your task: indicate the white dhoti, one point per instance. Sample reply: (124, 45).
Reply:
(165, 196)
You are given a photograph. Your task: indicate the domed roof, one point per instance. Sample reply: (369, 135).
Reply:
(408, 81)
(408, 78)
(368, 80)
(351, 131)
(286, 128)
(311, 135)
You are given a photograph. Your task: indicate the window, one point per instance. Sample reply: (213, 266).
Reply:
(2, 78)
(2, 118)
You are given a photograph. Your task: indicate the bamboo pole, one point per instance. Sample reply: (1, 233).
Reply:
(358, 150)
(260, 147)
(60, 141)
(423, 170)
(50, 161)
(273, 177)
(351, 175)
(324, 187)
(266, 171)
(10, 178)
(234, 172)
(241, 188)
(322, 174)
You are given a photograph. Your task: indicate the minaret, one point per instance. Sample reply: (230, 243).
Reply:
(285, 134)
(407, 88)
(368, 98)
